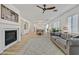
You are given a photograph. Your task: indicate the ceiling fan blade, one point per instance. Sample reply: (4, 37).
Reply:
(50, 8)
(39, 7)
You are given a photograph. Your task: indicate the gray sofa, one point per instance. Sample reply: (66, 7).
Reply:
(69, 44)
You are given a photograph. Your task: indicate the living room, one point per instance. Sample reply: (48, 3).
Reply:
(19, 21)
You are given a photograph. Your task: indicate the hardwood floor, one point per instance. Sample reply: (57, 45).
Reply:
(33, 44)
(16, 48)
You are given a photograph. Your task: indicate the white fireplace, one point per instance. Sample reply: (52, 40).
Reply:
(6, 32)
(10, 32)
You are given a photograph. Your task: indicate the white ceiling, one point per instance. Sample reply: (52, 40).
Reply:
(34, 14)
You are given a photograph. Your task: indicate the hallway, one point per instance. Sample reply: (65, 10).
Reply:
(35, 45)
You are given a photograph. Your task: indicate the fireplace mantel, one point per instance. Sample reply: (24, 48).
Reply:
(7, 27)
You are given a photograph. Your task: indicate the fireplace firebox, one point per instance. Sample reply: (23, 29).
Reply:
(10, 36)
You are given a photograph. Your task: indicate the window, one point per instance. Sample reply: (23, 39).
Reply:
(8, 14)
(69, 24)
(25, 26)
(73, 24)
(56, 25)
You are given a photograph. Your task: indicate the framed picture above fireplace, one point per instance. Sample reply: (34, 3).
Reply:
(8, 14)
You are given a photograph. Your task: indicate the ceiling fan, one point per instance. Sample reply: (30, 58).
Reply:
(44, 8)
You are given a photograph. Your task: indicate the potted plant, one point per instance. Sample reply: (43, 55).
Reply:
(54, 30)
